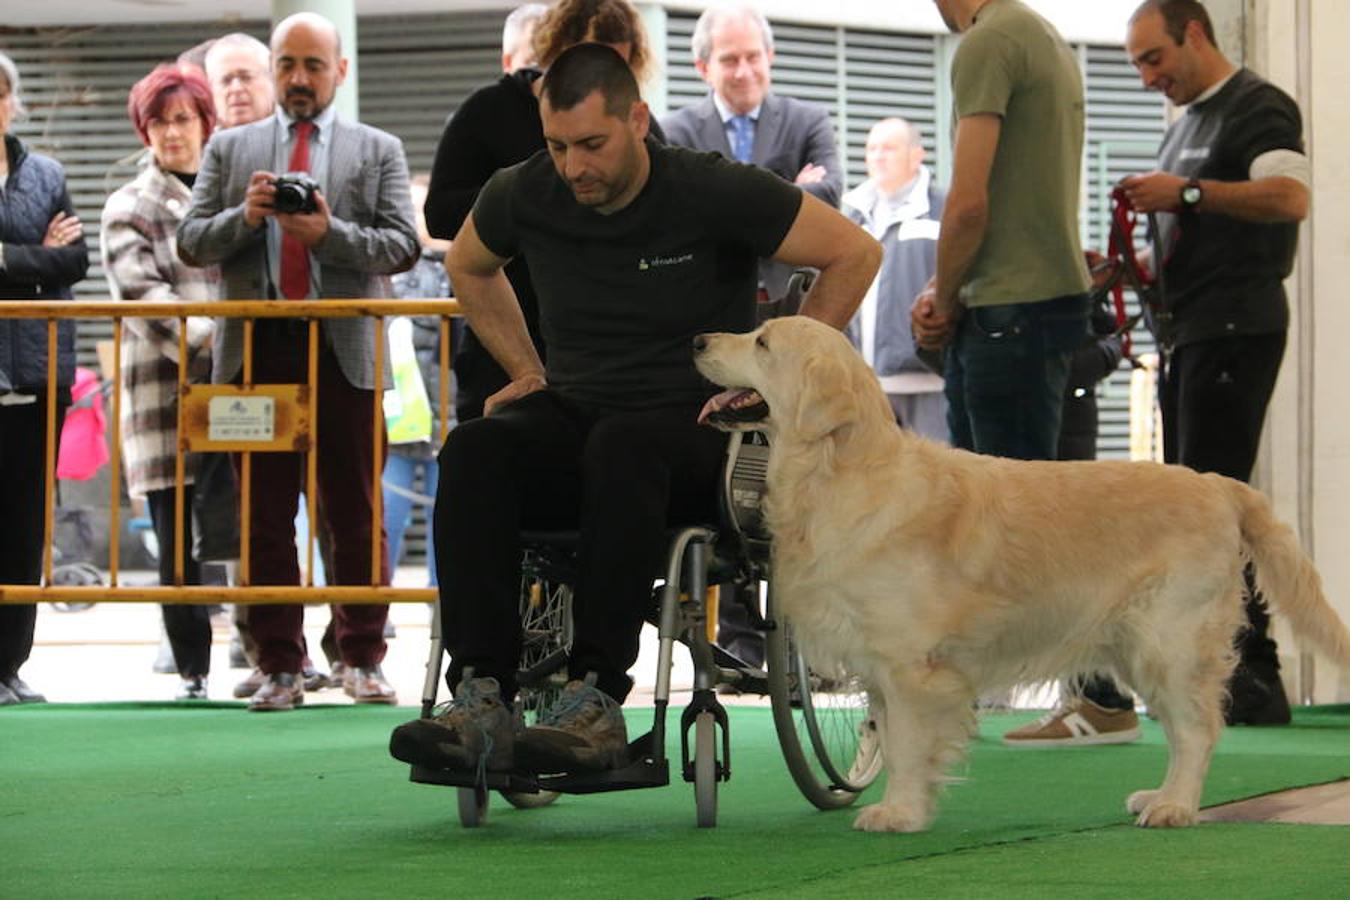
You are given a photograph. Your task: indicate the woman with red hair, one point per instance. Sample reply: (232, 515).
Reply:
(172, 113)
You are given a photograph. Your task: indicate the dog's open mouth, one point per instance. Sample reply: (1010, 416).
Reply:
(737, 406)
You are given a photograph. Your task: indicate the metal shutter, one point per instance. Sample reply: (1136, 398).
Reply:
(1125, 125)
(860, 76)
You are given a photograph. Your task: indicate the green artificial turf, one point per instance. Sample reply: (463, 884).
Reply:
(163, 801)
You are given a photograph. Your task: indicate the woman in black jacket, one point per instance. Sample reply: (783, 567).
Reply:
(498, 126)
(42, 253)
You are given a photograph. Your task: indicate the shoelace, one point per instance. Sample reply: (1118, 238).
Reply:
(469, 697)
(572, 704)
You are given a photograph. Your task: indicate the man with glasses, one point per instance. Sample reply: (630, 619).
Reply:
(239, 69)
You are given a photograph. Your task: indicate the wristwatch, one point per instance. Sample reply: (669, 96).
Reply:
(1191, 194)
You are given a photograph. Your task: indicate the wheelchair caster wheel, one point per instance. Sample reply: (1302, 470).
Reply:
(522, 800)
(473, 806)
(705, 769)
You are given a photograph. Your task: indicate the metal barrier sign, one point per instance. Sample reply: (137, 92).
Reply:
(260, 418)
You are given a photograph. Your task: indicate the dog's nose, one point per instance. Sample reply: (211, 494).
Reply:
(700, 343)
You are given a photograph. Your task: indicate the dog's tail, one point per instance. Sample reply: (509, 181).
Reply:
(1286, 576)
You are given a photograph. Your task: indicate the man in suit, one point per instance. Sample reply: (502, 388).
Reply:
(743, 120)
(347, 247)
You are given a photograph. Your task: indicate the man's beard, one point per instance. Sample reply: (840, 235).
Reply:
(307, 98)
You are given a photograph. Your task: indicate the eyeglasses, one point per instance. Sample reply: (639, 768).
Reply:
(245, 77)
(181, 121)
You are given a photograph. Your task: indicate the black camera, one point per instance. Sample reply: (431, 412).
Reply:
(295, 193)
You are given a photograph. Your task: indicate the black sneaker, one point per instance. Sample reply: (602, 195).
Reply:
(583, 732)
(474, 729)
(1256, 696)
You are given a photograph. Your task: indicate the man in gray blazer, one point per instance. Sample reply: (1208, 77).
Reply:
(361, 232)
(741, 119)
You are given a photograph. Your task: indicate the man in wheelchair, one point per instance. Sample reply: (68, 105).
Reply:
(634, 247)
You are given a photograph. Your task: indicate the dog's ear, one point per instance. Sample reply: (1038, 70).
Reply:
(826, 401)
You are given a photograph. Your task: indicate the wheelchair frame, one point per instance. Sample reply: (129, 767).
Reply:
(831, 762)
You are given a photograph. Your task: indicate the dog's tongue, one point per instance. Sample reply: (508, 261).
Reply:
(719, 402)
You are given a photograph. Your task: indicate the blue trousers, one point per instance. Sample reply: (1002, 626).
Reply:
(400, 474)
(1005, 375)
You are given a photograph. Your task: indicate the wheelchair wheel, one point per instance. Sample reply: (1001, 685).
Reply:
(829, 739)
(546, 625)
(705, 769)
(473, 806)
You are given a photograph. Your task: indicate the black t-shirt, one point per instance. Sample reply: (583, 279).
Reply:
(621, 296)
(1224, 276)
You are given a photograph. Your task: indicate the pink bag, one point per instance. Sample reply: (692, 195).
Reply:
(84, 448)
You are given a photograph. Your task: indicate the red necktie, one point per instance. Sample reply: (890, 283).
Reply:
(295, 255)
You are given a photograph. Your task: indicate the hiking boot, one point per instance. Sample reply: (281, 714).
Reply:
(1256, 696)
(475, 730)
(583, 732)
(1078, 723)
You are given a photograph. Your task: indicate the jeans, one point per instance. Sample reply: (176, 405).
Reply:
(400, 474)
(1006, 372)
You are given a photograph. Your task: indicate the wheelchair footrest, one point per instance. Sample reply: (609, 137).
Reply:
(644, 771)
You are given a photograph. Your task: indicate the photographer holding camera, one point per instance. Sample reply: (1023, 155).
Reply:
(279, 236)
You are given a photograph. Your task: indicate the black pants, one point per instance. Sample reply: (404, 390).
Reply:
(23, 448)
(545, 463)
(188, 626)
(1213, 397)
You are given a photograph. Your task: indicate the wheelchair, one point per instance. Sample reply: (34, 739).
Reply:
(828, 737)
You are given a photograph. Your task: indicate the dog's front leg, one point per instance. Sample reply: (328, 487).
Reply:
(925, 724)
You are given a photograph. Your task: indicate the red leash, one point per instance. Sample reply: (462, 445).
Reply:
(1126, 267)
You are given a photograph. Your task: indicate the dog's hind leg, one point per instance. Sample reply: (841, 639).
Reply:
(926, 723)
(1186, 692)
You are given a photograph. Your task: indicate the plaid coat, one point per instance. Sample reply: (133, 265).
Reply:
(140, 257)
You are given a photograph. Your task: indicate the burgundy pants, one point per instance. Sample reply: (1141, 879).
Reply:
(346, 485)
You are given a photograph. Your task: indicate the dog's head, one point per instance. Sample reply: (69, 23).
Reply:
(812, 380)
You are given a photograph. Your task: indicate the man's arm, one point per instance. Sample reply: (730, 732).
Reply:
(211, 233)
(1264, 200)
(966, 214)
(389, 242)
(821, 175)
(847, 257)
(493, 312)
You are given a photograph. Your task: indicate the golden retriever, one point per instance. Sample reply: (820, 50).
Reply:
(937, 575)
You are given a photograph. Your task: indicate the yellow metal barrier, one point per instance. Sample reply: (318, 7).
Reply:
(297, 424)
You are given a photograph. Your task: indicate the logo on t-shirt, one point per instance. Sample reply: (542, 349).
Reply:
(1195, 153)
(656, 262)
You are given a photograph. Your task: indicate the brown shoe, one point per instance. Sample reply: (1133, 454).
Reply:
(249, 686)
(367, 685)
(1078, 723)
(281, 692)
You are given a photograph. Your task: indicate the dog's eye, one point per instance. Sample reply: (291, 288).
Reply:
(761, 343)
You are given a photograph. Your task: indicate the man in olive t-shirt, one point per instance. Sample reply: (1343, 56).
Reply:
(634, 249)
(1009, 299)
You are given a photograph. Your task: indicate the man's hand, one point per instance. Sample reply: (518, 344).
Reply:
(1154, 191)
(258, 198)
(62, 230)
(810, 174)
(307, 228)
(932, 330)
(521, 387)
(1100, 268)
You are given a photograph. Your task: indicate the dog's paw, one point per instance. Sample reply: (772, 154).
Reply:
(1139, 801)
(880, 817)
(1165, 814)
